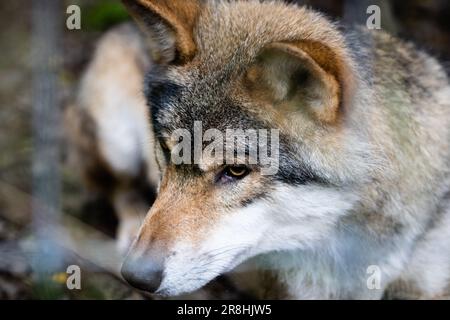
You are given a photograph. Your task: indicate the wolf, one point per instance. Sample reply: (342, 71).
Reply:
(107, 127)
(359, 207)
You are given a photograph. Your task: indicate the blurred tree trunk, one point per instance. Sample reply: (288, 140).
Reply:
(46, 56)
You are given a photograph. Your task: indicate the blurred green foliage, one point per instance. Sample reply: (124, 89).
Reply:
(102, 14)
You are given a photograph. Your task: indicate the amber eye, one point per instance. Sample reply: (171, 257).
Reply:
(236, 172)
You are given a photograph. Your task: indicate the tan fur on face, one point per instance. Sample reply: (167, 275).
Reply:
(186, 208)
(182, 210)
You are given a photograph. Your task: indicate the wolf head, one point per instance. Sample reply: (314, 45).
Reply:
(243, 65)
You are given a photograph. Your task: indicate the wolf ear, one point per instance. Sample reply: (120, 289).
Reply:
(170, 24)
(303, 76)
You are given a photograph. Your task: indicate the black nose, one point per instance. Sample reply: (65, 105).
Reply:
(142, 273)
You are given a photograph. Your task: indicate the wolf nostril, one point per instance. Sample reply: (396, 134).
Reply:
(144, 274)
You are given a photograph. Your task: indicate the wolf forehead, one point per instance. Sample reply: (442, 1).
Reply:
(176, 105)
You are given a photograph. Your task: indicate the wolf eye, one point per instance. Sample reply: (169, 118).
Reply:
(234, 173)
(237, 171)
